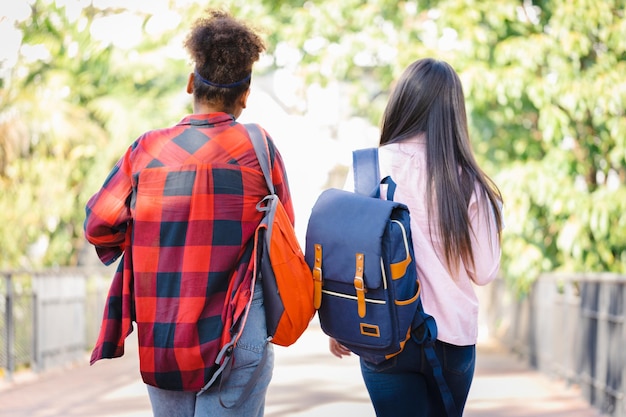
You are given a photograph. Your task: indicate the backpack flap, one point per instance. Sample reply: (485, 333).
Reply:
(361, 222)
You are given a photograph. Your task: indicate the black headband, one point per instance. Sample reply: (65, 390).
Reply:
(232, 85)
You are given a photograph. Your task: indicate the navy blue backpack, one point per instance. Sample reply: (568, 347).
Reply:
(367, 290)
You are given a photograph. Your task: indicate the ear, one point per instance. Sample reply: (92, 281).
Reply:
(243, 99)
(190, 81)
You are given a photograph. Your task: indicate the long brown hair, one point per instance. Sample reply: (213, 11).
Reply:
(428, 99)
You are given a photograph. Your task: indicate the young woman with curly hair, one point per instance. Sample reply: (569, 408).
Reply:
(180, 208)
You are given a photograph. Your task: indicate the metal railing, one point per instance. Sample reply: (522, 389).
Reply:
(49, 318)
(570, 326)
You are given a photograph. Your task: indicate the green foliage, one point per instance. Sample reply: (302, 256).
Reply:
(554, 118)
(77, 104)
(544, 84)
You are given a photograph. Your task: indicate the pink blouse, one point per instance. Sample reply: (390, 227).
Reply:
(451, 300)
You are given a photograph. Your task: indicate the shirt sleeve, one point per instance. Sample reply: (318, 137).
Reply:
(108, 212)
(485, 240)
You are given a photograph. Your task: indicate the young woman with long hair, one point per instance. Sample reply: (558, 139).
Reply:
(456, 223)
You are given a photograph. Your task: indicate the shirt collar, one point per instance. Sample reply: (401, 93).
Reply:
(410, 145)
(207, 119)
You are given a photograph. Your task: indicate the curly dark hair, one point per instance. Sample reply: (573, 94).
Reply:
(223, 50)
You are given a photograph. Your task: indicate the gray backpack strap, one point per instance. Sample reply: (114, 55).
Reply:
(262, 153)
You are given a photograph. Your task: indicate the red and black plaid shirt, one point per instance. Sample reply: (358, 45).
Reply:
(180, 206)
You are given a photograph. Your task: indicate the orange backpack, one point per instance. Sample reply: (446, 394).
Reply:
(279, 261)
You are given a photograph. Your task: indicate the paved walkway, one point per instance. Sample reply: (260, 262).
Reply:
(308, 382)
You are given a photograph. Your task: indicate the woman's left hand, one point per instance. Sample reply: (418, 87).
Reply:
(338, 349)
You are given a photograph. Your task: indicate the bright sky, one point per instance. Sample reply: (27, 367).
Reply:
(10, 13)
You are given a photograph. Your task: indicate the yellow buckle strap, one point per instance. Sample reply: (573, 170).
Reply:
(317, 277)
(398, 270)
(359, 285)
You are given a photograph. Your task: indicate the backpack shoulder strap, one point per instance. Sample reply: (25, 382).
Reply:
(268, 204)
(260, 148)
(366, 170)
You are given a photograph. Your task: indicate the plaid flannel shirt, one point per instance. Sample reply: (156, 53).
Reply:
(180, 207)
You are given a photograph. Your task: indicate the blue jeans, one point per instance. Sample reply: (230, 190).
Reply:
(404, 386)
(247, 355)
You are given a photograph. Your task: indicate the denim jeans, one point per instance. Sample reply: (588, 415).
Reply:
(404, 386)
(247, 355)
